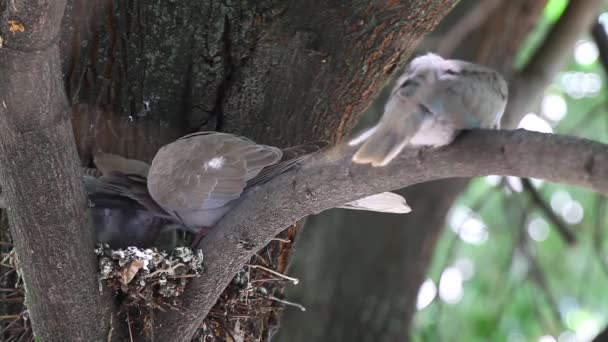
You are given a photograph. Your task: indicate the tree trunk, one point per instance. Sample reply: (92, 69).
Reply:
(41, 179)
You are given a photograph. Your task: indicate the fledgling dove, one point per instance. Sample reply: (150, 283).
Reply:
(123, 212)
(431, 102)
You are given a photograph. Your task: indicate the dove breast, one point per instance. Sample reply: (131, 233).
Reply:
(202, 172)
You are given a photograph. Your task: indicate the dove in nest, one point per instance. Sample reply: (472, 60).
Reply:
(200, 177)
(190, 185)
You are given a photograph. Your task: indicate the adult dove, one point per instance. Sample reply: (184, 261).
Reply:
(200, 177)
(191, 184)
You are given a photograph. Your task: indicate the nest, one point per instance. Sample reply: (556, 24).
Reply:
(15, 324)
(147, 280)
(250, 307)
(148, 276)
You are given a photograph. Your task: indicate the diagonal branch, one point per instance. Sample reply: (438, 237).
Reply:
(559, 224)
(331, 179)
(549, 58)
(598, 32)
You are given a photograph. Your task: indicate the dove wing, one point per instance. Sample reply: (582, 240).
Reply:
(121, 180)
(206, 170)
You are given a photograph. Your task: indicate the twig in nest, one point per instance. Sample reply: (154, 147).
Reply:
(295, 281)
(286, 302)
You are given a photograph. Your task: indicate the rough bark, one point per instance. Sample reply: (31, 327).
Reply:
(38, 161)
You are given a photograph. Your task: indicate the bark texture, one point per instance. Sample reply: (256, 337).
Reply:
(38, 161)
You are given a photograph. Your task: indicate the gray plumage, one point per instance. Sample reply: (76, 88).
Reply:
(430, 103)
(123, 213)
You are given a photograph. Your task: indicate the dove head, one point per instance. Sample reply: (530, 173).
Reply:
(422, 72)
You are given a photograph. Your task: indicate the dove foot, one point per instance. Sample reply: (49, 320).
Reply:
(202, 232)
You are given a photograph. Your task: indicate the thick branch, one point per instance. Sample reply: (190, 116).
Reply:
(331, 179)
(41, 177)
(549, 58)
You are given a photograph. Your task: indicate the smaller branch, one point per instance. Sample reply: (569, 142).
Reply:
(294, 281)
(560, 225)
(40, 175)
(528, 86)
(601, 40)
(465, 25)
(538, 277)
(598, 233)
(602, 336)
(286, 302)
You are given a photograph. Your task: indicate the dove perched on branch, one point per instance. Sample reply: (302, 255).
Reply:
(431, 102)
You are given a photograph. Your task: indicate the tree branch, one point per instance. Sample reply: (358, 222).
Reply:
(41, 177)
(550, 57)
(465, 25)
(331, 179)
(598, 32)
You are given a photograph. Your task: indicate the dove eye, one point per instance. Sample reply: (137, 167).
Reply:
(409, 83)
(452, 72)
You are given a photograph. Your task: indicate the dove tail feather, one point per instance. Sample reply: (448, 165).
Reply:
(362, 136)
(382, 146)
(386, 202)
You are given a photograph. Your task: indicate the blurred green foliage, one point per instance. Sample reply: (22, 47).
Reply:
(526, 283)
